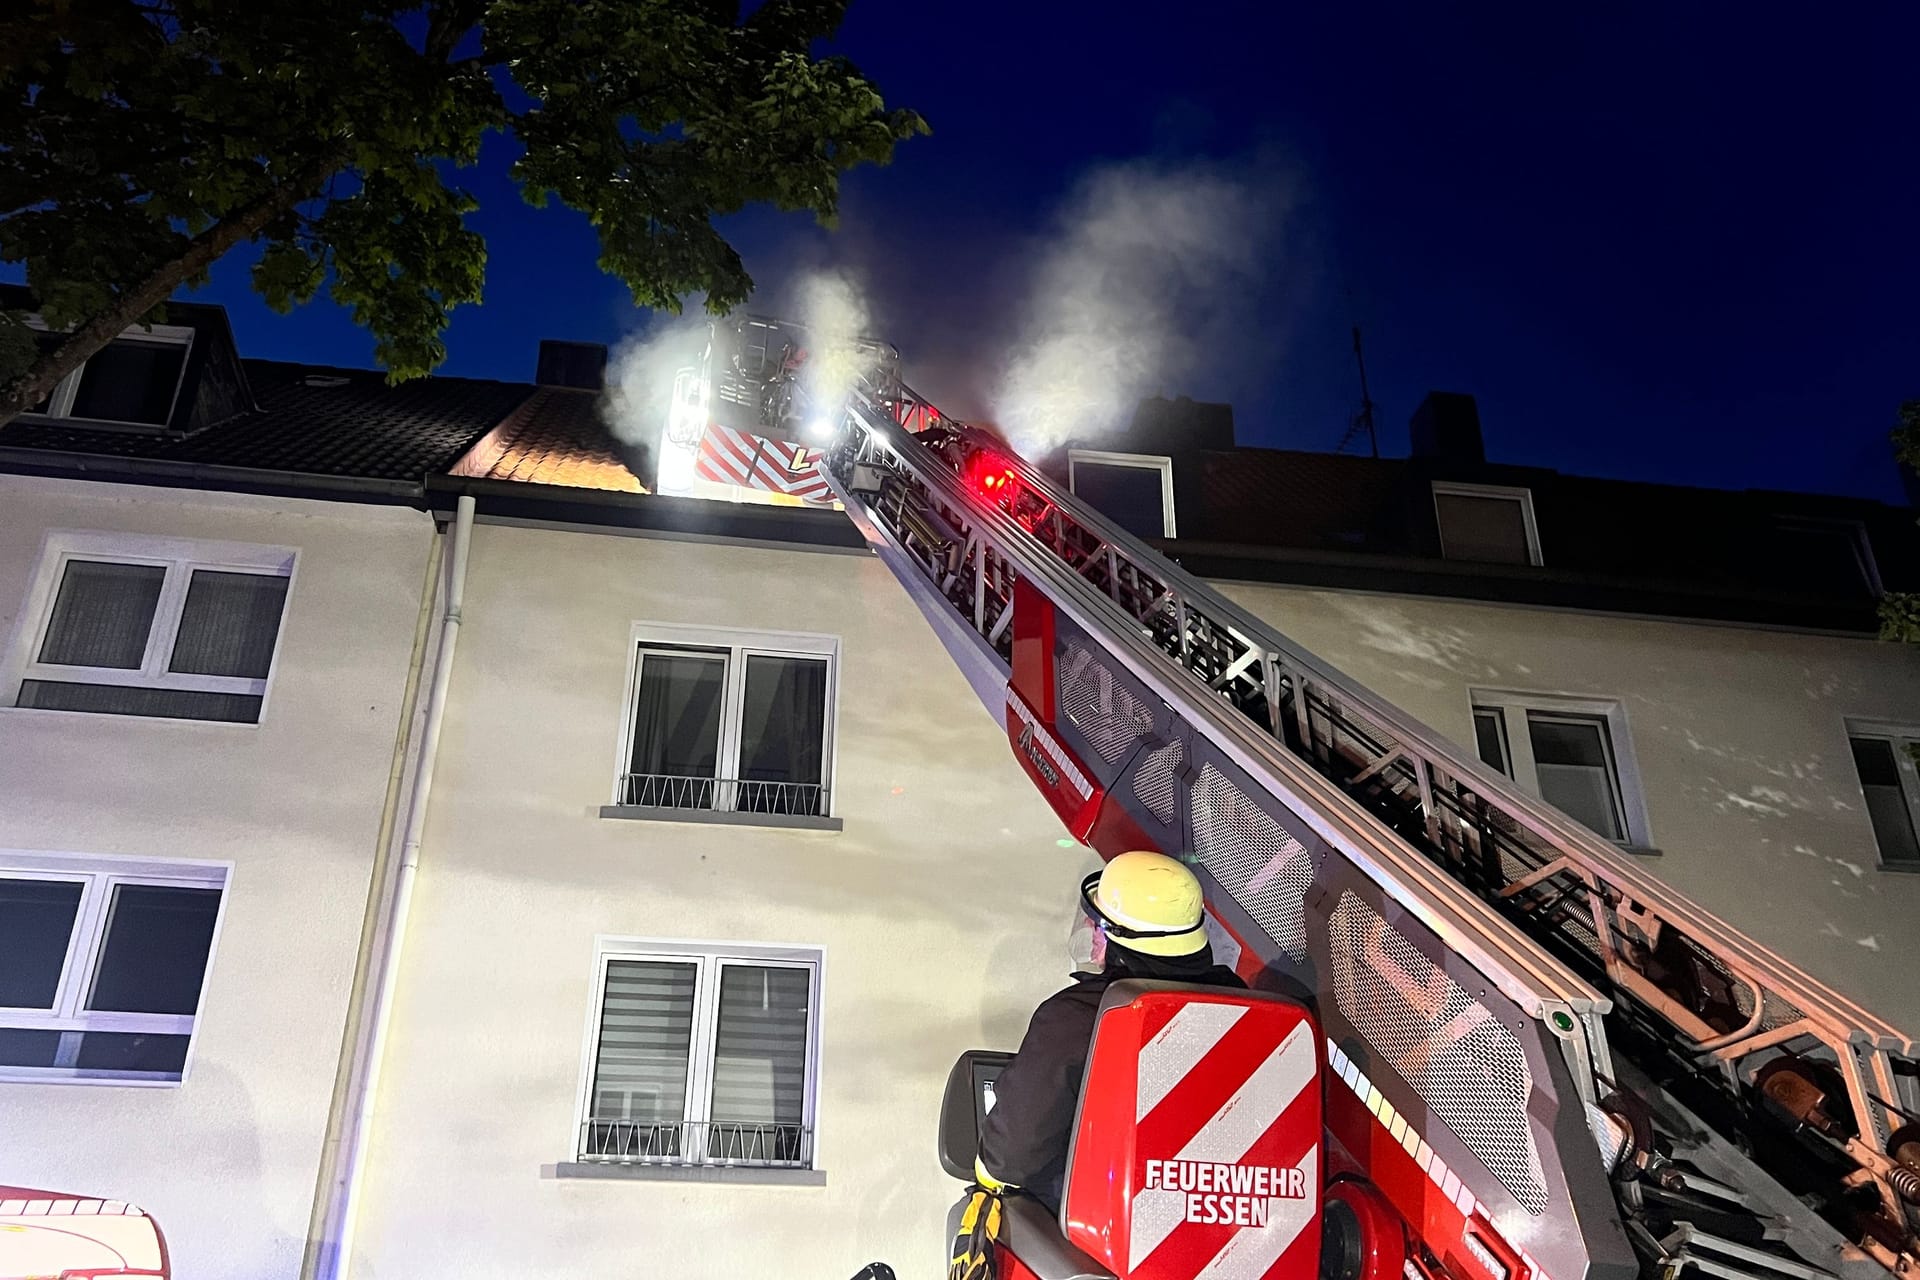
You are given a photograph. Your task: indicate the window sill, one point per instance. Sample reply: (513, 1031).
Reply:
(1642, 850)
(736, 1174)
(719, 817)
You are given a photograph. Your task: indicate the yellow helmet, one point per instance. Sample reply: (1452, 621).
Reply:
(1147, 902)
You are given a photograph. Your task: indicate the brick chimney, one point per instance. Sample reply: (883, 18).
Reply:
(1447, 426)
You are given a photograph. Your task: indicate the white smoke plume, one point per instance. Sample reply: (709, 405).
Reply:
(640, 382)
(834, 310)
(1152, 269)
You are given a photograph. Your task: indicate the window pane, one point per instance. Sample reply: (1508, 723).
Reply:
(1886, 801)
(676, 729)
(1490, 736)
(1131, 497)
(130, 381)
(229, 624)
(156, 949)
(131, 1051)
(20, 1048)
(640, 1062)
(1475, 527)
(128, 700)
(1576, 770)
(760, 1063)
(102, 614)
(783, 735)
(36, 921)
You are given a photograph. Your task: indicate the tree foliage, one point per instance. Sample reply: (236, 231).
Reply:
(144, 139)
(1900, 610)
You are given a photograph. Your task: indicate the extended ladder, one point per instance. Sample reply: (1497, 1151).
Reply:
(1466, 942)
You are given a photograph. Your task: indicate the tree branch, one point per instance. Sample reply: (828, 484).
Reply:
(126, 309)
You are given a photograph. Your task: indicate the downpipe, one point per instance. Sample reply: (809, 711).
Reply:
(335, 1236)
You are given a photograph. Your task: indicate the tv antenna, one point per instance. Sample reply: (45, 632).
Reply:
(1362, 419)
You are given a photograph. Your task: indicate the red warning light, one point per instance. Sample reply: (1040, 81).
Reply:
(991, 477)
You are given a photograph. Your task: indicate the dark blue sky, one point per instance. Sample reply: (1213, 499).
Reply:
(1673, 243)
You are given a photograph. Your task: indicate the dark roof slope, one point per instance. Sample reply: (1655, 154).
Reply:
(312, 420)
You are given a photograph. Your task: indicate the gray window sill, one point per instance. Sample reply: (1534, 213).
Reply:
(718, 817)
(736, 1174)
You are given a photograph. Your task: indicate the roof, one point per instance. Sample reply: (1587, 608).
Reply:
(311, 420)
(557, 436)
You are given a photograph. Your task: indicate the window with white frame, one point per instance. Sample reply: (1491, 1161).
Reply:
(1573, 753)
(132, 381)
(1485, 522)
(701, 1054)
(1883, 756)
(1134, 490)
(134, 626)
(103, 965)
(730, 721)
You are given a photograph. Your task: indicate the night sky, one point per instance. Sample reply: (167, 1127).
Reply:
(1678, 244)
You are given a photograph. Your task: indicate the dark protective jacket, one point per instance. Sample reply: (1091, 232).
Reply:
(1024, 1139)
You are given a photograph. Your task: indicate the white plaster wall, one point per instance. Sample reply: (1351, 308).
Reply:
(942, 907)
(225, 1161)
(1740, 738)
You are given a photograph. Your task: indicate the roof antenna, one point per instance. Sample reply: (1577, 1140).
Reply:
(1362, 419)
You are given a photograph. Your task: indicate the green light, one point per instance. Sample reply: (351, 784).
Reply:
(1065, 843)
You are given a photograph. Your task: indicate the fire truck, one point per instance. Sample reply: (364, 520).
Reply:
(1532, 1060)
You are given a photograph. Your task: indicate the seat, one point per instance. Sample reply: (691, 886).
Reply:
(1196, 1143)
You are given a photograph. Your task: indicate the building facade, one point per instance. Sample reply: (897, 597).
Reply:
(437, 853)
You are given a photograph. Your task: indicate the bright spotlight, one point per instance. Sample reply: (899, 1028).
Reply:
(819, 431)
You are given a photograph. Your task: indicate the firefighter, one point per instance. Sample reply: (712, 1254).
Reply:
(1138, 917)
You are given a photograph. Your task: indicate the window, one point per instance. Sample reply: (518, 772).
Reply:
(701, 1055)
(729, 722)
(132, 381)
(104, 965)
(1883, 755)
(1482, 522)
(153, 627)
(1134, 490)
(1571, 752)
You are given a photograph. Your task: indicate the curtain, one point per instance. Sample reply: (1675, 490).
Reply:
(676, 719)
(784, 722)
(103, 614)
(640, 1062)
(760, 1063)
(229, 624)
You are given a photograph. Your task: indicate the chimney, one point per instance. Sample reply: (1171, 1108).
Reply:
(582, 365)
(1447, 425)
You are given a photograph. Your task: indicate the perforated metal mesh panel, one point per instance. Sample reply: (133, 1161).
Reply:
(1266, 870)
(1103, 709)
(1467, 1067)
(1153, 780)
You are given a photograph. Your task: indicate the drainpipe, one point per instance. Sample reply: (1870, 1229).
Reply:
(333, 1257)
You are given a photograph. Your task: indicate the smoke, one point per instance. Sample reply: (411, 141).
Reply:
(834, 310)
(638, 405)
(1152, 279)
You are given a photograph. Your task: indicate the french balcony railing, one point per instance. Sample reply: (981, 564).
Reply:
(734, 1143)
(725, 795)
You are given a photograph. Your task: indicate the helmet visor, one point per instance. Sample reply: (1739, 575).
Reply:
(1086, 942)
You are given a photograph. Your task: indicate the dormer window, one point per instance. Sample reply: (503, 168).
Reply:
(132, 381)
(1134, 490)
(1488, 523)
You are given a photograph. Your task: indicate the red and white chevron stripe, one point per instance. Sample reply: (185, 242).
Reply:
(1225, 1123)
(728, 456)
